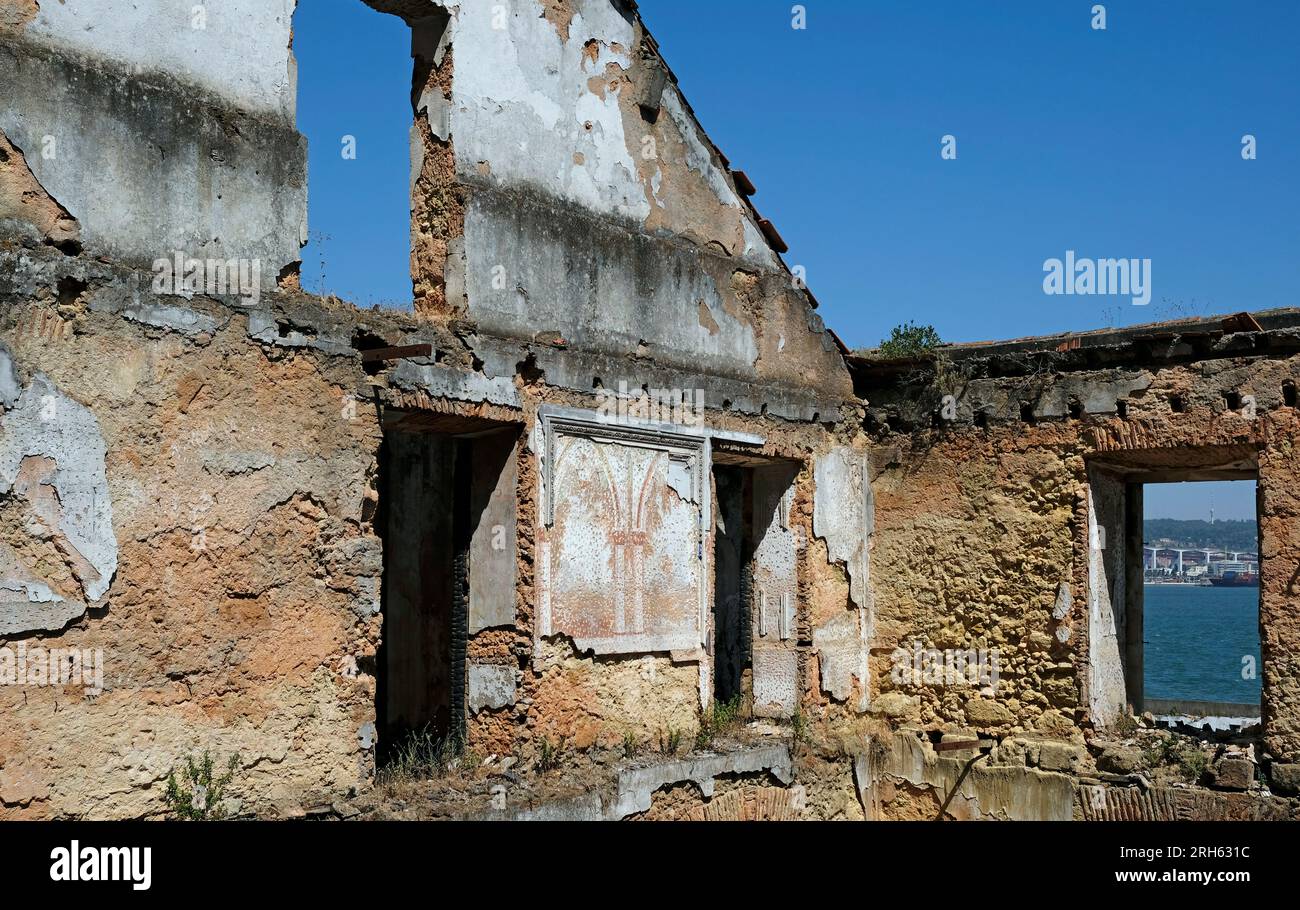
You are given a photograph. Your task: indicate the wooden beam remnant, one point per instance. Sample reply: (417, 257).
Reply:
(397, 353)
(1241, 322)
(773, 237)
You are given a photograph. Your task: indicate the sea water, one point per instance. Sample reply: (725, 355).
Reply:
(1202, 643)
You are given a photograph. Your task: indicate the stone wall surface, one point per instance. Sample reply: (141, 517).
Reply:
(198, 484)
(201, 498)
(999, 529)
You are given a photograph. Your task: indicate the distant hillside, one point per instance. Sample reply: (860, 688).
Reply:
(1225, 535)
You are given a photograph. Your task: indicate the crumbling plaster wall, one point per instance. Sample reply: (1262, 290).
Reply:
(982, 531)
(518, 694)
(578, 220)
(51, 461)
(546, 97)
(216, 168)
(589, 241)
(238, 51)
(201, 489)
(591, 697)
(225, 560)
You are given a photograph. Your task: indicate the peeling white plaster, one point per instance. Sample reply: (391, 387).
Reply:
(844, 517)
(49, 425)
(679, 478)
(9, 388)
(438, 109)
(1064, 601)
(242, 54)
(776, 682)
(636, 786)
(521, 101)
(841, 646)
(490, 687)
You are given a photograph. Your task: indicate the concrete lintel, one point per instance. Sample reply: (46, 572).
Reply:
(461, 385)
(263, 326)
(579, 415)
(636, 786)
(747, 439)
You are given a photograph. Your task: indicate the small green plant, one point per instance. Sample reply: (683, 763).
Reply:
(671, 742)
(420, 755)
(1126, 724)
(550, 754)
(1160, 752)
(1187, 757)
(1192, 762)
(719, 718)
(200, 794)
(909, 340)
(799, 726)
(629, 744)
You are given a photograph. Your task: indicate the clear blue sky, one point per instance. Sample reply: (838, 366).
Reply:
(1233, 499)
(1117, 143)
(354, 79)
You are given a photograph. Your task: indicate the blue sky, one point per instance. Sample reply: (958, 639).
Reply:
(1233, 499)
(1117, 143)
(354, 79)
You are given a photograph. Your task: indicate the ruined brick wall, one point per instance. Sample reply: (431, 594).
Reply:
(973, 540)
(570, 207)
(195, 502)
(203, 97)
(981, 533)
(191, 479)
(192, 474)
(632, 694)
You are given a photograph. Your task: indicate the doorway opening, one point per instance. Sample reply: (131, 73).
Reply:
(1173, 587)
(1200, 598)
(755, 660)
(447, 508)
(732, 582)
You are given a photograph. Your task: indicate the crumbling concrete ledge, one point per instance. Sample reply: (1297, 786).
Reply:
(636, 786)
(1006, 792)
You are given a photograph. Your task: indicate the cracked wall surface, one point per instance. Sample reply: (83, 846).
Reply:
(1003, 529)
(194, 484)
(59, 552)
(205, 493)
(241, 54)
(25, 204)
(217, 168)
(559, 206)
